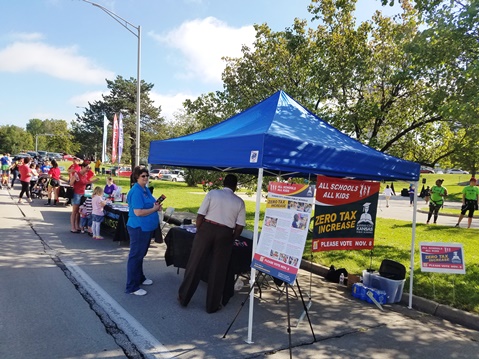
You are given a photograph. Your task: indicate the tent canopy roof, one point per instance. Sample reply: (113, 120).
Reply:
(282, 137)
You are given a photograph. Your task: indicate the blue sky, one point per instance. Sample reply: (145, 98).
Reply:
(56, 54)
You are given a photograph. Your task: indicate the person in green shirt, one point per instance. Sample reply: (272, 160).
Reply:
(438, 193)
(470, 195)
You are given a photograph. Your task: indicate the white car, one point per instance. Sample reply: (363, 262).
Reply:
(173, 177)
(158, 173)
(457, 171)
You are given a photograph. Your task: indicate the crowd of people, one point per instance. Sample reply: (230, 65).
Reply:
(35, 175)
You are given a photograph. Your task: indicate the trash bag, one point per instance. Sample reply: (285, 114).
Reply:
(334, 274)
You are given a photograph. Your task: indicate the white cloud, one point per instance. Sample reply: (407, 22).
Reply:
(62, 63)
(83, 99)
(203, 42)
(26, 36)
(170, 103)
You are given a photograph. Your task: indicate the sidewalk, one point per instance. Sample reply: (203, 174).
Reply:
(66, 299)
(399, 208)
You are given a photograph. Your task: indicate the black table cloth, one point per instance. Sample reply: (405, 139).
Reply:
(65, 191)
(178, 247)
(117, 218)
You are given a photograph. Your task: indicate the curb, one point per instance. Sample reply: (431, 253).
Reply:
(466, 319)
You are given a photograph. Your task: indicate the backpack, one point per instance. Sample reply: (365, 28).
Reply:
(334, 274)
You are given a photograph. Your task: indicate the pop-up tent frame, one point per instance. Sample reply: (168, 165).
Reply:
(280, 137)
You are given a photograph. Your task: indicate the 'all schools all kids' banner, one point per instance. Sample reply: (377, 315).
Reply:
(442, 257)
(285, 227)
(345, 214)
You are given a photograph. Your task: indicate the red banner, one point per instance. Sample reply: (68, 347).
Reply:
(345, 214)
(114, 145)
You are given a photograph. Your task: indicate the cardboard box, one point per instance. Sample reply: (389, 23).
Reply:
(353, 278)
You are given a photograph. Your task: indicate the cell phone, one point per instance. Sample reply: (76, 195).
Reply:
(161, 198)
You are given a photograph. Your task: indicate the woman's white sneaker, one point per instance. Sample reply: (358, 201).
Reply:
(139, 292)
(147, 282)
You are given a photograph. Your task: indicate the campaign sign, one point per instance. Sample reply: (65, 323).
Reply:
(442, 257)
(285, 228)
(345, 214)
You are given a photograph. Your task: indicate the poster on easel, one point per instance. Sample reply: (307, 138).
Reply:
(284, 232)
(344, 214)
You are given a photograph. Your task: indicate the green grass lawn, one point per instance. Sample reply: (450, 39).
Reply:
(392, 241)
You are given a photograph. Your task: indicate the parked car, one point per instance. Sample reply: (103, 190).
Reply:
(426, 169)
(158, 173)
(124, 172)
(19, 156)
(54, 156)
(174, 177)
(67, 157)
(457, 171)
(119, 171)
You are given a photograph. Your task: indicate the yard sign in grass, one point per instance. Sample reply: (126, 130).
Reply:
(442, 257)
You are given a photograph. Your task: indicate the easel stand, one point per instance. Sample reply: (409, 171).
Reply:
(305, 307)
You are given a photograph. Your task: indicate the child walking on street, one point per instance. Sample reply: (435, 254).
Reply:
(97, 211)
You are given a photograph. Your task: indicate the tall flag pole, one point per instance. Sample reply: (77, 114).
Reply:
(114, 145)
(105, 135)
(120, 137)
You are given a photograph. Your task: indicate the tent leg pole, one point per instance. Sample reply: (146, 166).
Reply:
(252, 279)
(413, 245)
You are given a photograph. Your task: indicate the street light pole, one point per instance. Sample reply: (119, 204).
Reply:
(127, 25)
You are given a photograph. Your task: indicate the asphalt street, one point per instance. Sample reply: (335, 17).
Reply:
(63, 297)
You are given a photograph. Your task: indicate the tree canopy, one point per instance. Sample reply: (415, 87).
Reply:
(88, 127)
(381, 81)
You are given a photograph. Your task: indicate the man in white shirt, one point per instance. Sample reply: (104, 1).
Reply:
(220, 220)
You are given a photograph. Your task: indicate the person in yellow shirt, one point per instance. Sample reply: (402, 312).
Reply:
(438, 193)
(470, 195)
(97, 166)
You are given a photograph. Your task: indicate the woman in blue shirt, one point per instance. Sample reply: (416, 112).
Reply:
(142, 222)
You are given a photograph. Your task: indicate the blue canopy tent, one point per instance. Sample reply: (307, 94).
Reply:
(278, 136)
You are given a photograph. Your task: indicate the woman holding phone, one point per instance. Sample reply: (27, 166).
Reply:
(142, 222)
